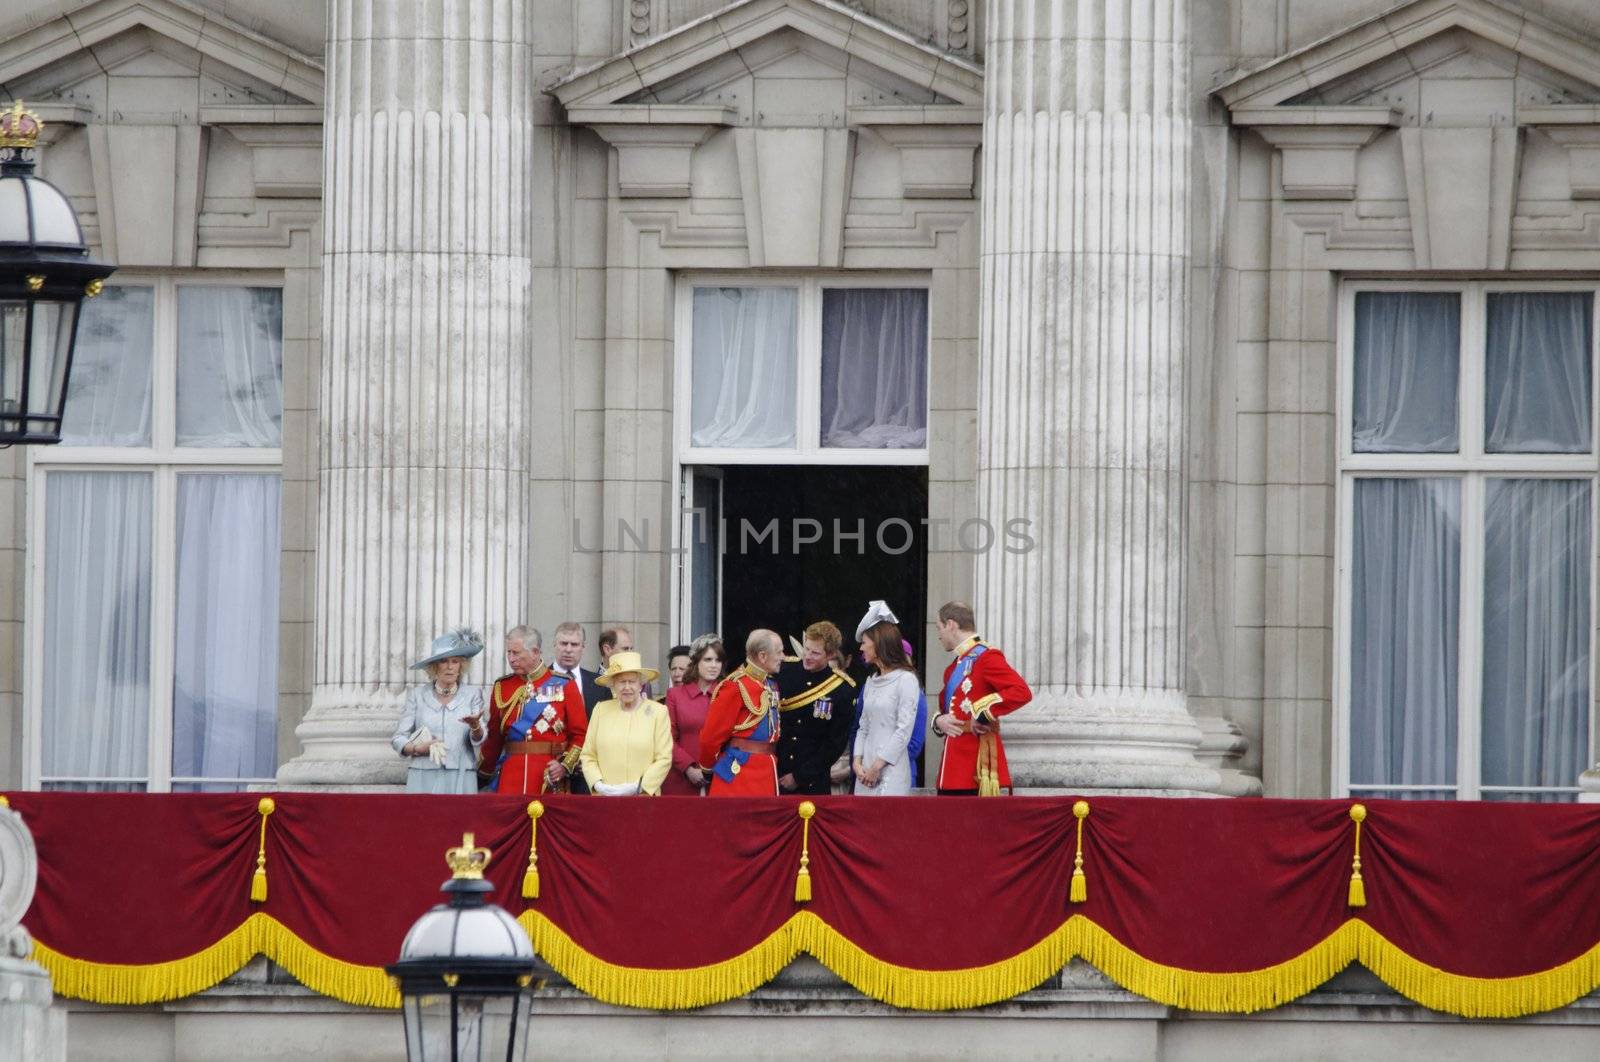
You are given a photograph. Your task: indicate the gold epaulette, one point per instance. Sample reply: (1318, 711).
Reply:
(848, 680)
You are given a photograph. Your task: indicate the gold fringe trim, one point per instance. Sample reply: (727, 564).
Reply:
(634, 986)
(260, 934)
(900, 986)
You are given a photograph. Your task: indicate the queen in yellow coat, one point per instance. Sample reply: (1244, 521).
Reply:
(628, 748)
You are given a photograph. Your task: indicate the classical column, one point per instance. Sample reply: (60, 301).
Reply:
(424, 441)
(1085, 274)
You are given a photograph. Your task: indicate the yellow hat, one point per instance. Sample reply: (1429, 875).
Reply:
(624, 663)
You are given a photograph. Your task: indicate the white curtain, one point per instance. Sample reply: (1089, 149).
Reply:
(1405, 609)
(97, 624)
(744, 368)
(1538, 369)
(230, 366)
(225, 680)
(1407, 358)
(875, 368)
(1536, 631)
(108, 396)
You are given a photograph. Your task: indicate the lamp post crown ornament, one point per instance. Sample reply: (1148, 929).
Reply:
(467, 862)
(19, 127)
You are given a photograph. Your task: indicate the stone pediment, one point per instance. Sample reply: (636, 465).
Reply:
(773, 63)
(1430, 62)
(793, 80)
(172, 58)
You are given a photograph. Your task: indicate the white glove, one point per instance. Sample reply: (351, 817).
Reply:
(624, 789)
(436, 753)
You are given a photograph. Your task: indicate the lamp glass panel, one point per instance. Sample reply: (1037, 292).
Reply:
(53, 220)
(13, 211)
(13, 348)
(52, 343)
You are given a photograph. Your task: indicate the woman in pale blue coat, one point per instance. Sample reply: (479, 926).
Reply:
(881, 758)
(442, 725)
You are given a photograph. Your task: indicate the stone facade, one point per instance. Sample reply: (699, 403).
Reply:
(527, 189)
(816, 136)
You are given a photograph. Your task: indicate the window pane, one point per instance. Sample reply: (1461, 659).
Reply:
(1536, 631)
(1407, 358)
(13, 344)
(1405, 609)
(744, 367)
(875, 368)
(705, 554)
(97, 624)
(230, 366)
(225, 679)
(108, 396)
(1538, 368)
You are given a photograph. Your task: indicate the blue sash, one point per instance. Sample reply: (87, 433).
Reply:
(725, 763)
(959, 675)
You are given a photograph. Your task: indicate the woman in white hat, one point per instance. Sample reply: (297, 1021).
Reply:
(628, 749)
(442, 725)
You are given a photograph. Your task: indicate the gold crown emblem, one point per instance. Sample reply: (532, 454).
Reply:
(467, 861)
(19, 128)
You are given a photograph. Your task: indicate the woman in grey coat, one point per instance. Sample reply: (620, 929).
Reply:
(880, 758)
(442, 725)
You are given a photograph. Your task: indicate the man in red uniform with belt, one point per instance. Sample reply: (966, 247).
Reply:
(979, 688)
(739, 742)
(535, 729)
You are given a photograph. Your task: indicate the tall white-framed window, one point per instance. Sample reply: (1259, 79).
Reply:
(153, 545)
(802, 369)
(1467, 507)
(787, 369)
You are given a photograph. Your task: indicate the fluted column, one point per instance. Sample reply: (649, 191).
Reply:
(424, 402)
(1081, 423)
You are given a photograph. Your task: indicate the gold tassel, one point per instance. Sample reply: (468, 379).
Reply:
(258, 880)
(802, 883)
(1080, 884)
(1358, 888)
(988, 760)
(530, 877)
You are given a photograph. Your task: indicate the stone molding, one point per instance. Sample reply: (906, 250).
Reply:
(1319, 144)
(1577, 129)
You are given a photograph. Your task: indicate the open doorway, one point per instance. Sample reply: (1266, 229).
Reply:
(784, 546)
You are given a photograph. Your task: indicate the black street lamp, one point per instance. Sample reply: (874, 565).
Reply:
(458, 961)
(45, 272)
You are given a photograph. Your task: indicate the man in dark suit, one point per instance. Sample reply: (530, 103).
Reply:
(569, 644)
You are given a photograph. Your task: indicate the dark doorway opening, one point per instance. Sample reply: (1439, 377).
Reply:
(804, 542)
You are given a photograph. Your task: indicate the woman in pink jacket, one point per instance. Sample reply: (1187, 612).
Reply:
(686, 708)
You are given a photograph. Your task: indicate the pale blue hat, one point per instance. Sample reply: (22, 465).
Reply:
(462, 642)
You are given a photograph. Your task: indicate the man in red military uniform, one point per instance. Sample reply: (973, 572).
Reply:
(979, 688)
(535, 729)
(739, 741)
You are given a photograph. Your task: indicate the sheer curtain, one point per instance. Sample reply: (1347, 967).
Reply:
(1407, 362)
(225, 678)
(875, 368)
(1538, 371)
(1536, 630)
(744, 367)
(108, 397)
(96, 675)
(230, 366)
(1405, 604)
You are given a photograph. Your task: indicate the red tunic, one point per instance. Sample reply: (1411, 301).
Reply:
(742, 706)
(509, 698)
(995, 690)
